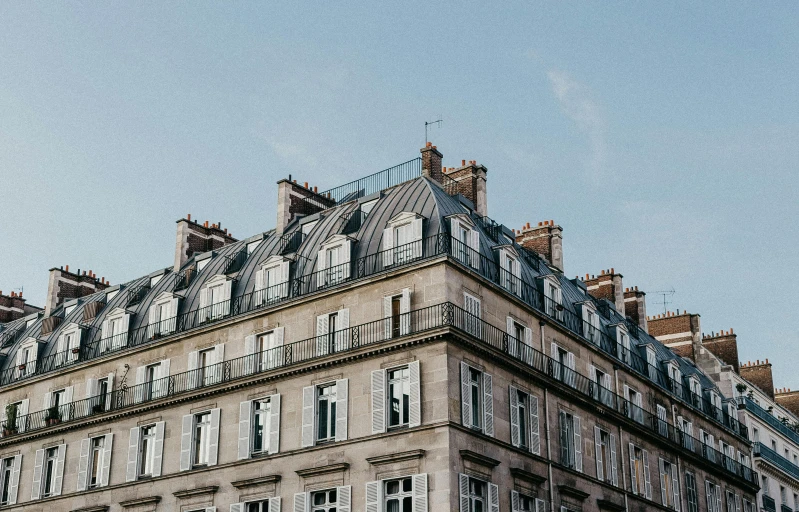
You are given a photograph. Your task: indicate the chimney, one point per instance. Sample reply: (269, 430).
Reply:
(65, 285)
(759, 374)
(546, 239)
(193, 237)
(470, 180)
(788, 399)
(723, 345)
(607, 285)
(13, 306)
(294, 200)
(635, 306)
(431, 163)
(682, 333)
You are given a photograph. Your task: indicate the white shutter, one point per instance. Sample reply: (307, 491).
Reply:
(158, 448)
(308, 413)
(463, 486)
(277, 356)
(388, 247)
(647, 482)
(378, 401)
(342, 399)
(570, 377)
(140, 377)
(600, 469)
(578, 445)
(387, 314)
(633, 476)
(174, 304)
(22, 414)
(322, 327)
(133, 455)
(274, 504)
(535, 436)
(227, 293)
(493, 497)
(274, 424)
(474, 258)
(13, 485)
(58, 477)
(418, 235)
(285, 271)
(152, 320)
(245, 420)
(512, 349)
(37, 475)
(320, 267)
(48, 398)
(249, 351)
(415, 398)
(343, 329)
(614, 475)
(528, 336)
(301, 502)
(105, 469)
(664, 499)
(514, 416)
(66, 408)
(91, 387)
(405, 312)
(419, 492)
(344, 503)
(205, 301)
(466, 396)
(194, 375)
(105, 332)
(260, 287)
(373, 496)
(514, 501)
(83, 464)
(213, 441)
(488, 405)
(346, 251)
(675, 488)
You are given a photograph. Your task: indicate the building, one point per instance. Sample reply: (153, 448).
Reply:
(387, 347)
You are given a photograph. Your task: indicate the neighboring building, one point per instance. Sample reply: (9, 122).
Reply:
(385, 348)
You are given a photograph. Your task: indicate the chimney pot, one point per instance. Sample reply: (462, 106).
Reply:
(306, 184)
(314, 190)
(188, 217)
(67, 268)
(463, 163)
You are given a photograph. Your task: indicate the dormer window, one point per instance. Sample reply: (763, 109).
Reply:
(553, 298)
(68, 344)
(715, 400)
(333, 261)
(110, 295)
(114, 331)
(272, 280)
(202, 264)
(215, 298)
(366, 206)
(675, 378)
(306, 228)
(163, 315)
(510, 269)
(27, 357)
(623, 344)
(154, 280)
(69, 309)
(465, 240)
(696, 390)
(402, 239)
(651, 363)
(591, 327)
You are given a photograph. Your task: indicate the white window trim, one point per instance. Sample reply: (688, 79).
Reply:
(266, 294)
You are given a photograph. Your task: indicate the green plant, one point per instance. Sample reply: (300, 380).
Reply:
(11, 418)
(741, 388)
(53, 414)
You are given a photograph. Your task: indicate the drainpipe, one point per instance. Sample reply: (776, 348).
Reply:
(621, 445)
(549, 449)
(541, 324)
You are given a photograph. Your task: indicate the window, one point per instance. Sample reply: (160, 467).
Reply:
(95, 462)
(477, 495)
(523, 503)
(398, 495)
(605, 445)
(708, 443)
(639, 472)
(510, 270)
(68, 345)
(264, 351)
(324, 413)
(333, 261)
(326, 416)
(151, 380)
(601, 385)
(465, 241)
(591, 326)
(553, 299)
(9, 479)
(402, 239)
(764, 487)
(675, 378)
(19, 410)
(713, 492)
(261, 419)
(396, 398)
(563, 364)
(98, 391)
(403, 236)
(267, 505)
(332, 332)
(97, 450)
(27, 354)
(524, 421)
(215, 299)
(748, 506)
(571, 450)
(473, 308)
(202, 439)
(162, 316)
(755, 434)
(49, 472)
(272, 280)
(114, 330)
(663, 425)
(633, 403)
(690, 490)
(396, 314)
(623, 342)
(206, 366)
(520, 339)
(399, 394)
(651, 363)
(147, 451)
(324, 501)
(259, 427)
(404, 494)
(669, 488)
(477, 406)
(731, 500)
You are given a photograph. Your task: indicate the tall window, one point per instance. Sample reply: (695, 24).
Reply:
(690, 491)
(118, 330)
(49, 472)
(472, 306)
(151, 381)
(399, 394)
(561, 356)
(96, 454)
(554, 303)
(261, 419)
(464, 241)
(601, 386)
(147, 450)
(324, 501)
(103, 388)
(475, 391)
(571, 450)
(591, 326)
(326, 413)
(398, 495)
(634, 400)
(477, 407)
(6, 470)
(478, 496)
(403, 236)
(713, 492)
(524, 429)
(605, 456)
(396, 305)
(206, 367)
(202, 438)
(219, 304)
(669, 490)
(662, 421)
(623, 340)
(639, 472)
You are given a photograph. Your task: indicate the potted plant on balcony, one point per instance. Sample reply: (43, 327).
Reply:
(21, 367)
(53, 416)
(10, 426)
(76, 350)
(98, 408)
(741, 388)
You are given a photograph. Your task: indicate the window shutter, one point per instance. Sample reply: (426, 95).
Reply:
(158, 448)
(475, 246)
(488, 405)
(342, 393)
(346, 254)
(528, 336)
(152, 320)
(633, 479)
(514, 416)
(227, 294)
(105, 331)
(405, 312)
(322, 327)
(570, 363)
(219, 357)
(133, 455)
(174, 304)
(91, 387)
(194, 375)
(415, 398)
(22, 414)
(13, 485)
(105, 469)
(540, 505)
(48, 398)
(378, 401)
(600, 469)
(37, 475)
(344, 503)
(301, 502)
(83, 464)
(675, 488)
(205, 300)
(68, 394)
(613, 473)
(274, 504)
(343, 331)
(245, 420)
(514, 501)
(709, 494)
(463, 486)
(278, 355)
(466, 396)
(647, 482)
(213, 441)
(274, 424)
(493, 497)
(388, 246)
(564, 439)
(373, 498)
(308, 411)
(260, 286)
(58, 477)
(664, 499)
(578, 445)
(140, 376)
(320, 267)
(249, 350)
(511, 342)
(535, 437)
(419, 492)
(387, 314)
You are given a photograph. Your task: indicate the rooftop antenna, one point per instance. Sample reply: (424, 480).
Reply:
(429, 123)
(666, 293)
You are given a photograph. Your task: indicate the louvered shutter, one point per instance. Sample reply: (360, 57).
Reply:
(378, 401)
(22, 414)
(346, 254)
(493, 497)
(675, 488)
(664, 498)
(373, 498)
(463, 487)
(219, 358)
(613, 472)
(261, 292)
(633, 476)
(405, 312)
(475, 246)
(512, 341)
(514, 501)
(578, 444)
(528, 336)
(600, 469)
(415, 392)
(418, 236)
(204, 312)
(105, 334)
(343, 329)
(504, 270)
(172, 323)
(162, 388)
(514, 416)
(308, 412)
(387, 316)
(91, 387)
(342, 400)
(66, 408)
(285, 271)
(647, 482)
(320, 268)
(105, 469)
(570, 376)
(274, 504)
(237, 507)
(133, 455)
(301, 502)
(419, 492)
(388, 247)
(554, 355)
(245, 420)
(83, 464)
(540, 505)
(535, 436)
(140, 377)
(37, 475)
(274, 424)
(152, 320)
(466, 396)
(276, 357)
(194, 373)
(58, 477)
(213, 441)
(488, 405)
(249, 351)
(322, 327)
(47, 400)
(158, 448)
(344, 503)
(13, 485)
(709, 493)
(564, 439)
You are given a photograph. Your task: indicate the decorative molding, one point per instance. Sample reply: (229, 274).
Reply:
(523, 474)
(99, 508)
(609, 505)
(252, 482)
(323, 470)
(478, 458)
(188, 493)
(574, 492)
(150, 500)
(391, 458)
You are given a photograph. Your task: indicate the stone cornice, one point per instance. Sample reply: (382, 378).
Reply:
(523, 474)
(395, 457)
(478, 458)
(187, 493)
(150, 500)
(323, 470)
(252, 482)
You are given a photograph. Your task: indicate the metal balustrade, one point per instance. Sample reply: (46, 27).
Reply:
(769, 418)
(769, 504)
(775, 459)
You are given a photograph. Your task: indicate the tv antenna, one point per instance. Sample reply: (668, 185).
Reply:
(429, 123)
(667, 294)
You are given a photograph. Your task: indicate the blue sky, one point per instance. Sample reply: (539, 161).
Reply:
(663, 138)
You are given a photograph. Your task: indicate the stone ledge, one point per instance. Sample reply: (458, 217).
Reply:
(99, 508)
(187, 493)
(395, 457)
(478, 458)
(150, 500)
(523, 474)
(252, 482)
(574, 492)
(323, 470)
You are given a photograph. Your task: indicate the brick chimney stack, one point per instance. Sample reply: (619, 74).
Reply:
(759, 374)
(607, 285)
(194, 237)
(546, 239)
(724, 345)
(294, 200)
(13, 306)
(681, 332)
(431, 163)
(64, 285)
(788, 399)
(471, 181)
(635, 307)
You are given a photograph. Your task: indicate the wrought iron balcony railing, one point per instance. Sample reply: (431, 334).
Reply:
(775, 459)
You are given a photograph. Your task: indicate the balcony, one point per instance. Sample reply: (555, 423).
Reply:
(768, 504)
(776, 460)
(769, 418)
(785, 508)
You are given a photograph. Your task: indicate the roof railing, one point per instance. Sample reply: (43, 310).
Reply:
(135, 295)
(290, 242)
(183, 279)
(235, 262)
